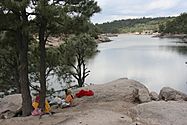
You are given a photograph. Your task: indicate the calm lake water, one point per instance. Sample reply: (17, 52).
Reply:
(152, 61)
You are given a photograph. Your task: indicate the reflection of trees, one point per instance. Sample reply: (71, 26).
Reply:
(179, 49)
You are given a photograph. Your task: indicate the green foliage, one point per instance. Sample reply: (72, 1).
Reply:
(176, 26)
(55, 17)
(52, 62)
(74, 55)
(15, 20)
(161, 28)
(8, 62)
(133, 25)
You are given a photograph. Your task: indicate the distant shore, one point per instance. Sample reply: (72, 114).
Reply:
(183, 37)
(106, 37)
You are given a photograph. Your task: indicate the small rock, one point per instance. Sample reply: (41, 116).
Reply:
(154, 96)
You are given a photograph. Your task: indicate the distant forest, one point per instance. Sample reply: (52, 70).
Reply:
(159, 24)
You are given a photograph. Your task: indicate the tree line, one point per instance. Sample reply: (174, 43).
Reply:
(177, 25)
(174, 25)
(26, 25)
(133, 25)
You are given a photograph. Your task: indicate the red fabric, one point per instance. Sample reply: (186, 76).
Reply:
(37, 99)
(82, 93)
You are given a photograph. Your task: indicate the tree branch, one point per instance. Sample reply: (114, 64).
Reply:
(7, 29)
(74, 67)
(48, 72)
(87, 71)
(49, 41)
(34, 87)
(74, 75)
(86, 75)
(46, 37)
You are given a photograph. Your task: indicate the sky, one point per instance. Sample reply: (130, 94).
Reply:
(125, 9)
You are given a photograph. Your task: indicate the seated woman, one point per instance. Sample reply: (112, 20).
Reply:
(35, 104)
(68, 101)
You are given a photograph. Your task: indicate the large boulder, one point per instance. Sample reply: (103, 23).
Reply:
(160, 113)
(102, 38)
(119, 90)
(10, 104)
(154, 96)
(168, 93)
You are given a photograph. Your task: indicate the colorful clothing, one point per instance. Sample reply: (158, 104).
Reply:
(69, 99)
(35, 104)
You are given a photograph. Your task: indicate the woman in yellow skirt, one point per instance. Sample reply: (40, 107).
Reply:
(35, 104)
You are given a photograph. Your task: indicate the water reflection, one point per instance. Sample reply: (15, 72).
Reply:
(152, 61)
(181, 49)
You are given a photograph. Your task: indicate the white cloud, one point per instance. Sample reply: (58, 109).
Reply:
(123, 9)
(162, 4)
(111, 18)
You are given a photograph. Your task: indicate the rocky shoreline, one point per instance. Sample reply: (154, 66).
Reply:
(120, 102)
(103, 39)
(183, 37)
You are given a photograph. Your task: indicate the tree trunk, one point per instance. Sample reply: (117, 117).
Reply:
(17, 72)
(18, 86)
(84, 71)
(23, 39)
(80, 82)
(42, 42)
(79, 71)
(23, 75)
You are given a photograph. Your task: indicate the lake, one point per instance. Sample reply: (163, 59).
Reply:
(152, 61)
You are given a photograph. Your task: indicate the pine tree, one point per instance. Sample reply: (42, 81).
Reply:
(53, 17)
(15, 20)
(74, 55)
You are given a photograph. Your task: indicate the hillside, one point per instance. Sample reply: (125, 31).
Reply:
(133, 25)
(175, 26)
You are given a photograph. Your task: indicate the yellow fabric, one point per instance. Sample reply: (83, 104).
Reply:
(35, 104)
(47, 106)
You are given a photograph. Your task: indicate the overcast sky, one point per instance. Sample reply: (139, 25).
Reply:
(124, 9)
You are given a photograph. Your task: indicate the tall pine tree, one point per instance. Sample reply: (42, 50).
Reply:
(15, 20)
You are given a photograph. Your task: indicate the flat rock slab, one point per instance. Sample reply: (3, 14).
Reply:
(161, 113)
(99, 117)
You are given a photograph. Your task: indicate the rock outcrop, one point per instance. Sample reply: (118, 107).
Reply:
(102, 38)
(123, 89)
(168, 93)
(9, 105)
(160, 113)
(113, 103)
